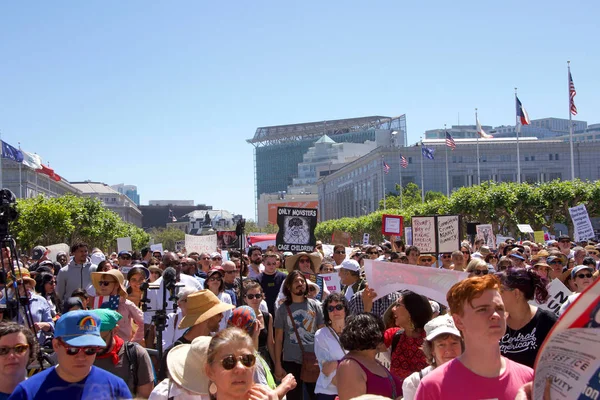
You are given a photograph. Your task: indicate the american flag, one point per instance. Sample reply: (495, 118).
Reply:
(572, 93)
(403, 162)
(386, 168)
(110, 302)
(450, 141)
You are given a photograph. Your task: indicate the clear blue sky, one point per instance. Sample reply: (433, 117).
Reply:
(163, 95)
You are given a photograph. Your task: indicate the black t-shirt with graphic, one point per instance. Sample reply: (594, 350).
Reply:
(522, 345)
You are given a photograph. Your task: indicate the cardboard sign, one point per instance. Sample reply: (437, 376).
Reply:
(54, 249)
(408, 236)
(423, 231)
(227, 240)
(385, 278)
(557, 295)
(156, 247)
(581, 223)
(124, 244)
(539, 236)
(486, 232)
(339, 237)
(332, 281)
(448, 232)
(296, 229)
(391, 224)
(525, 228)
(201, 244)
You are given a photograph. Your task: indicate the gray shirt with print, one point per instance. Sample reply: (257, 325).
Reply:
(308, 317)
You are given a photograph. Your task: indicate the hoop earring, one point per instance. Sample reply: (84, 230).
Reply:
(212, 389)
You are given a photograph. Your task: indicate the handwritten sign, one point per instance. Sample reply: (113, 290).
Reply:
(581, 223)
(448, 230)
(200, 244)
(385, 278)
(391, 224)
(423, 231)
(332, 281)
(525, 228)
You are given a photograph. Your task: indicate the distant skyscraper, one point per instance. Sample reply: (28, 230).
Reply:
(129, 191)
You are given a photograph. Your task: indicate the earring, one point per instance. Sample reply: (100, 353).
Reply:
(212, 389)
(412, 326)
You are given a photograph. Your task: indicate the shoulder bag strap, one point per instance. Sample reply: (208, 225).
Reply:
(391, 380)
(336, 338)
(294, 326)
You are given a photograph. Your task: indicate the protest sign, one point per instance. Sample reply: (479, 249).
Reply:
(539, 237)
(296, 229)
(557, 295)
(200, 244)
(385, 278)
(179, 245)
(569, 357)
(525, 228)
(366, 238)
(581, 223)
(408, 236)
(332, 281)
(501, 239)
(156, 247)
(328, 250)
(423, 231)
(448, 232)
(227, 240)
(339, 237)
(391, 224)
(485, 232)
(124, 244)
(54, 249)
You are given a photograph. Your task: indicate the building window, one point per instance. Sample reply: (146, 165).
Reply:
(532, 158)
(556, 157)
(526, 158)
(410, 160)
(550, 157)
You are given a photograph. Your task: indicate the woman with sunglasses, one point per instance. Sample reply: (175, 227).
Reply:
(582, 277)
(253, 296)
(214, 282)
(492, 259)
(504, 263)
(526, 326)
(230, 364)
(477, 267)
(466, 250)
(18, 348)
(328, 348)
(45, 283)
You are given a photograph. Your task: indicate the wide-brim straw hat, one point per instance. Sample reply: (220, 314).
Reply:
(22, 274)
(186, 362)
(115, 273)
(201, 306)
(315, 260)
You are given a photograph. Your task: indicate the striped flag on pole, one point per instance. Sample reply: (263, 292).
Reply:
(450, 141)
(386, 168)
(572, 93)
(110, 302)
(403, 162)
(427, 152)
(481, 132)
(521, 113)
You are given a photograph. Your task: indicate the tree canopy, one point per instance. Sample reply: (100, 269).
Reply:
(67, 219)
(503, 204)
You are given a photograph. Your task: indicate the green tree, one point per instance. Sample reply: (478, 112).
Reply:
(167, 236)
(67, 219)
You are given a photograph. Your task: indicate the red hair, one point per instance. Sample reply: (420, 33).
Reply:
(469, 289)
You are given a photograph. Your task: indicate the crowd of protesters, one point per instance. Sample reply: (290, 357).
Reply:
(262, 325)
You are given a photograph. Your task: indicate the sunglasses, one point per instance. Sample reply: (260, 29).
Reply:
(205, 258)
(502, 267)
(215, 278)
(305, 260)
(426, 260)
(565, 241)
(231, 361)
(338, 307)
(257, 296)
(217, 258)
(18, 349)
(446, 256)
(312, 289)
(340, 252)
(125, 258)
(153, 264)
(73, 351)
(480, 272)
(583, 276)
(105, 283)
(465, 252)
(372, 252)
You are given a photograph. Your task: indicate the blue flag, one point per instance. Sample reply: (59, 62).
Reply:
(427, 152)
(11, 153)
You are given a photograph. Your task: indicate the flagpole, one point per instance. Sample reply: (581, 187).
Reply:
(383, 180)
(570, 123)
(400, 173)
(518, 126)
(1, 158)
(478, 172)
(422, 178)
(447, 174)
(20, 177)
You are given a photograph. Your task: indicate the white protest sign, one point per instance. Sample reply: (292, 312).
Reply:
(124, 244)
(581, 223)
(200, 244)
(408, 236)
(525, 228)
(225, 255)
(557, 295)
(386, 277)
(448, 233)
(332, 281)
(500, 239)
(423, 232)
(179, 245)
(156, 247)
(54, 249)
(366, 238)
(486, 232)
(328, 250)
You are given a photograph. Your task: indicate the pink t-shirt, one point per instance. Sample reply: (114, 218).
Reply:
(455, 381)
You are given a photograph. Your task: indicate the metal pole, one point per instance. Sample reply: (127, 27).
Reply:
(383, 181)
(478, 171)
(422, 178)
(518, 126)
(570, 123)
(400, 173)
(447, 174)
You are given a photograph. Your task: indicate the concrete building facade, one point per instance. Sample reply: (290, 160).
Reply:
(111, 199)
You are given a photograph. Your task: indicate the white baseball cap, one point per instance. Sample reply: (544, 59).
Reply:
(351, 265)
(439, 326)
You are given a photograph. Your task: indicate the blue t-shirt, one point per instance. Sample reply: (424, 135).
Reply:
(47, 385)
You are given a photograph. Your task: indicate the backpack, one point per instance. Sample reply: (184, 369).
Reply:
(131, 355)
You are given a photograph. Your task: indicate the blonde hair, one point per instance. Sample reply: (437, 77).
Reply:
(474, 263)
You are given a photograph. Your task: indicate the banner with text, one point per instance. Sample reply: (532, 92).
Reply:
(557, 295)
(385, 278)
(332, 281)
(296, 229)
(581, 223)
(201, 244)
